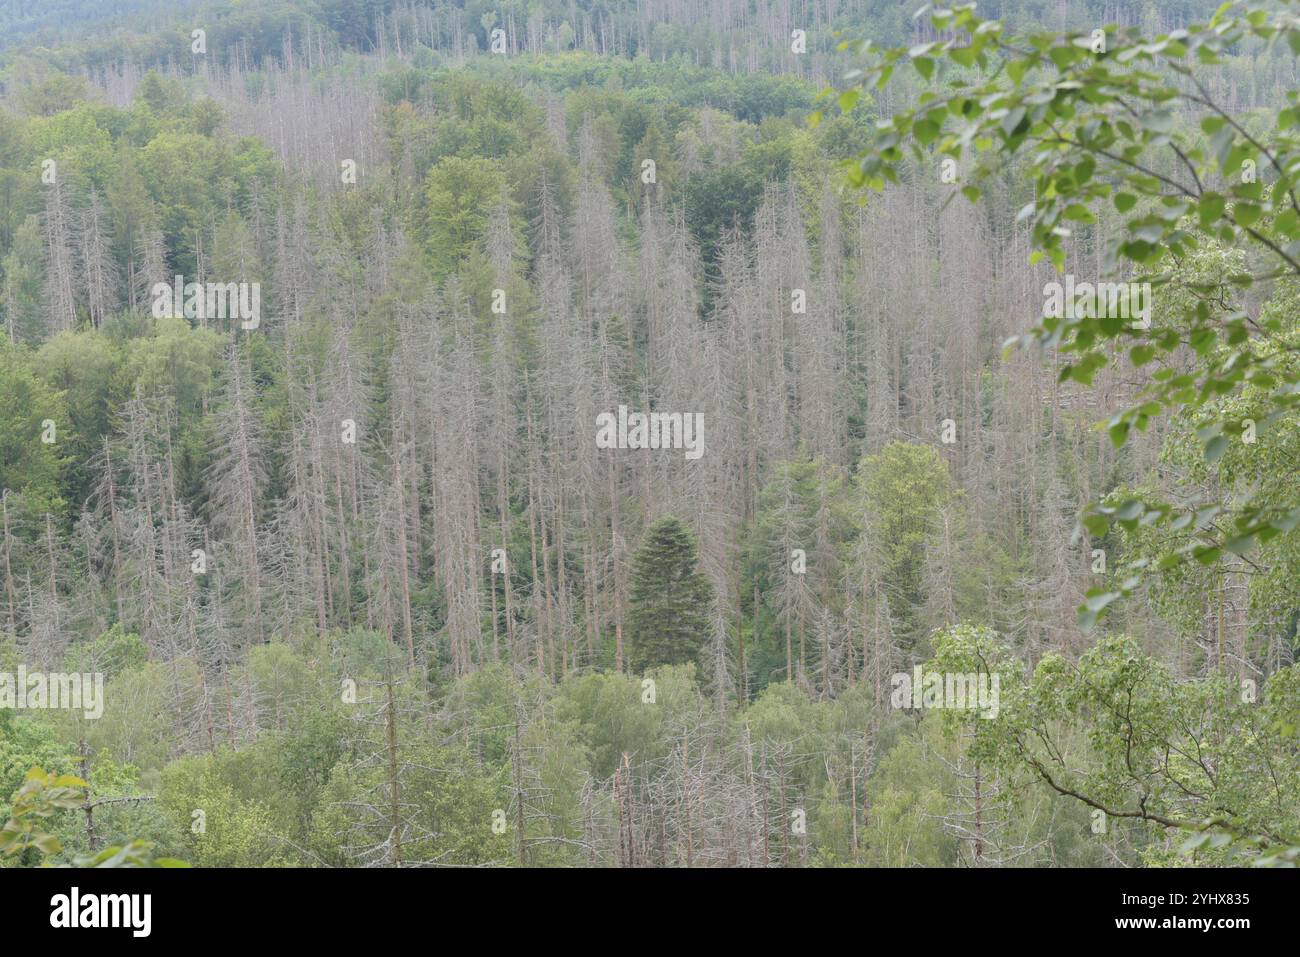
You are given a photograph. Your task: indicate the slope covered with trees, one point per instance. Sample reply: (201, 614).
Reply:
(365, 589)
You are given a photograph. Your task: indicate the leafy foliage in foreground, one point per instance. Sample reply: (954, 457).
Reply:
(1101, 119)
(1118, 732)
(39, 799)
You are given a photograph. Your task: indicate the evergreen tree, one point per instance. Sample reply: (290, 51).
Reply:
(669, 621)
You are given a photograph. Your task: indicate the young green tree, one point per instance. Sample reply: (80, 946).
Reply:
(459, 194)
(904, 487)
(669, 617)
(33, 420)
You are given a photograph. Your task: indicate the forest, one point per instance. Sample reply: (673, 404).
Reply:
(575, 434)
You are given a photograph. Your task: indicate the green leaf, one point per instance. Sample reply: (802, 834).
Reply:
(1247, 214)
(1240, 544)
(963, 56)
(925, 131)
(1130, 510)
(1207, 554)
(1097, 525)
(1141, 355)
(47, 844)
(1210, 209)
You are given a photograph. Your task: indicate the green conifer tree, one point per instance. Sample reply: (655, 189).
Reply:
(670, 599)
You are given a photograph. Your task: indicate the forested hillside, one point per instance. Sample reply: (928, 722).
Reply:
(368, 585)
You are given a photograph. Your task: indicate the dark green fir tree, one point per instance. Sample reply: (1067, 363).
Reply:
(670, 599)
